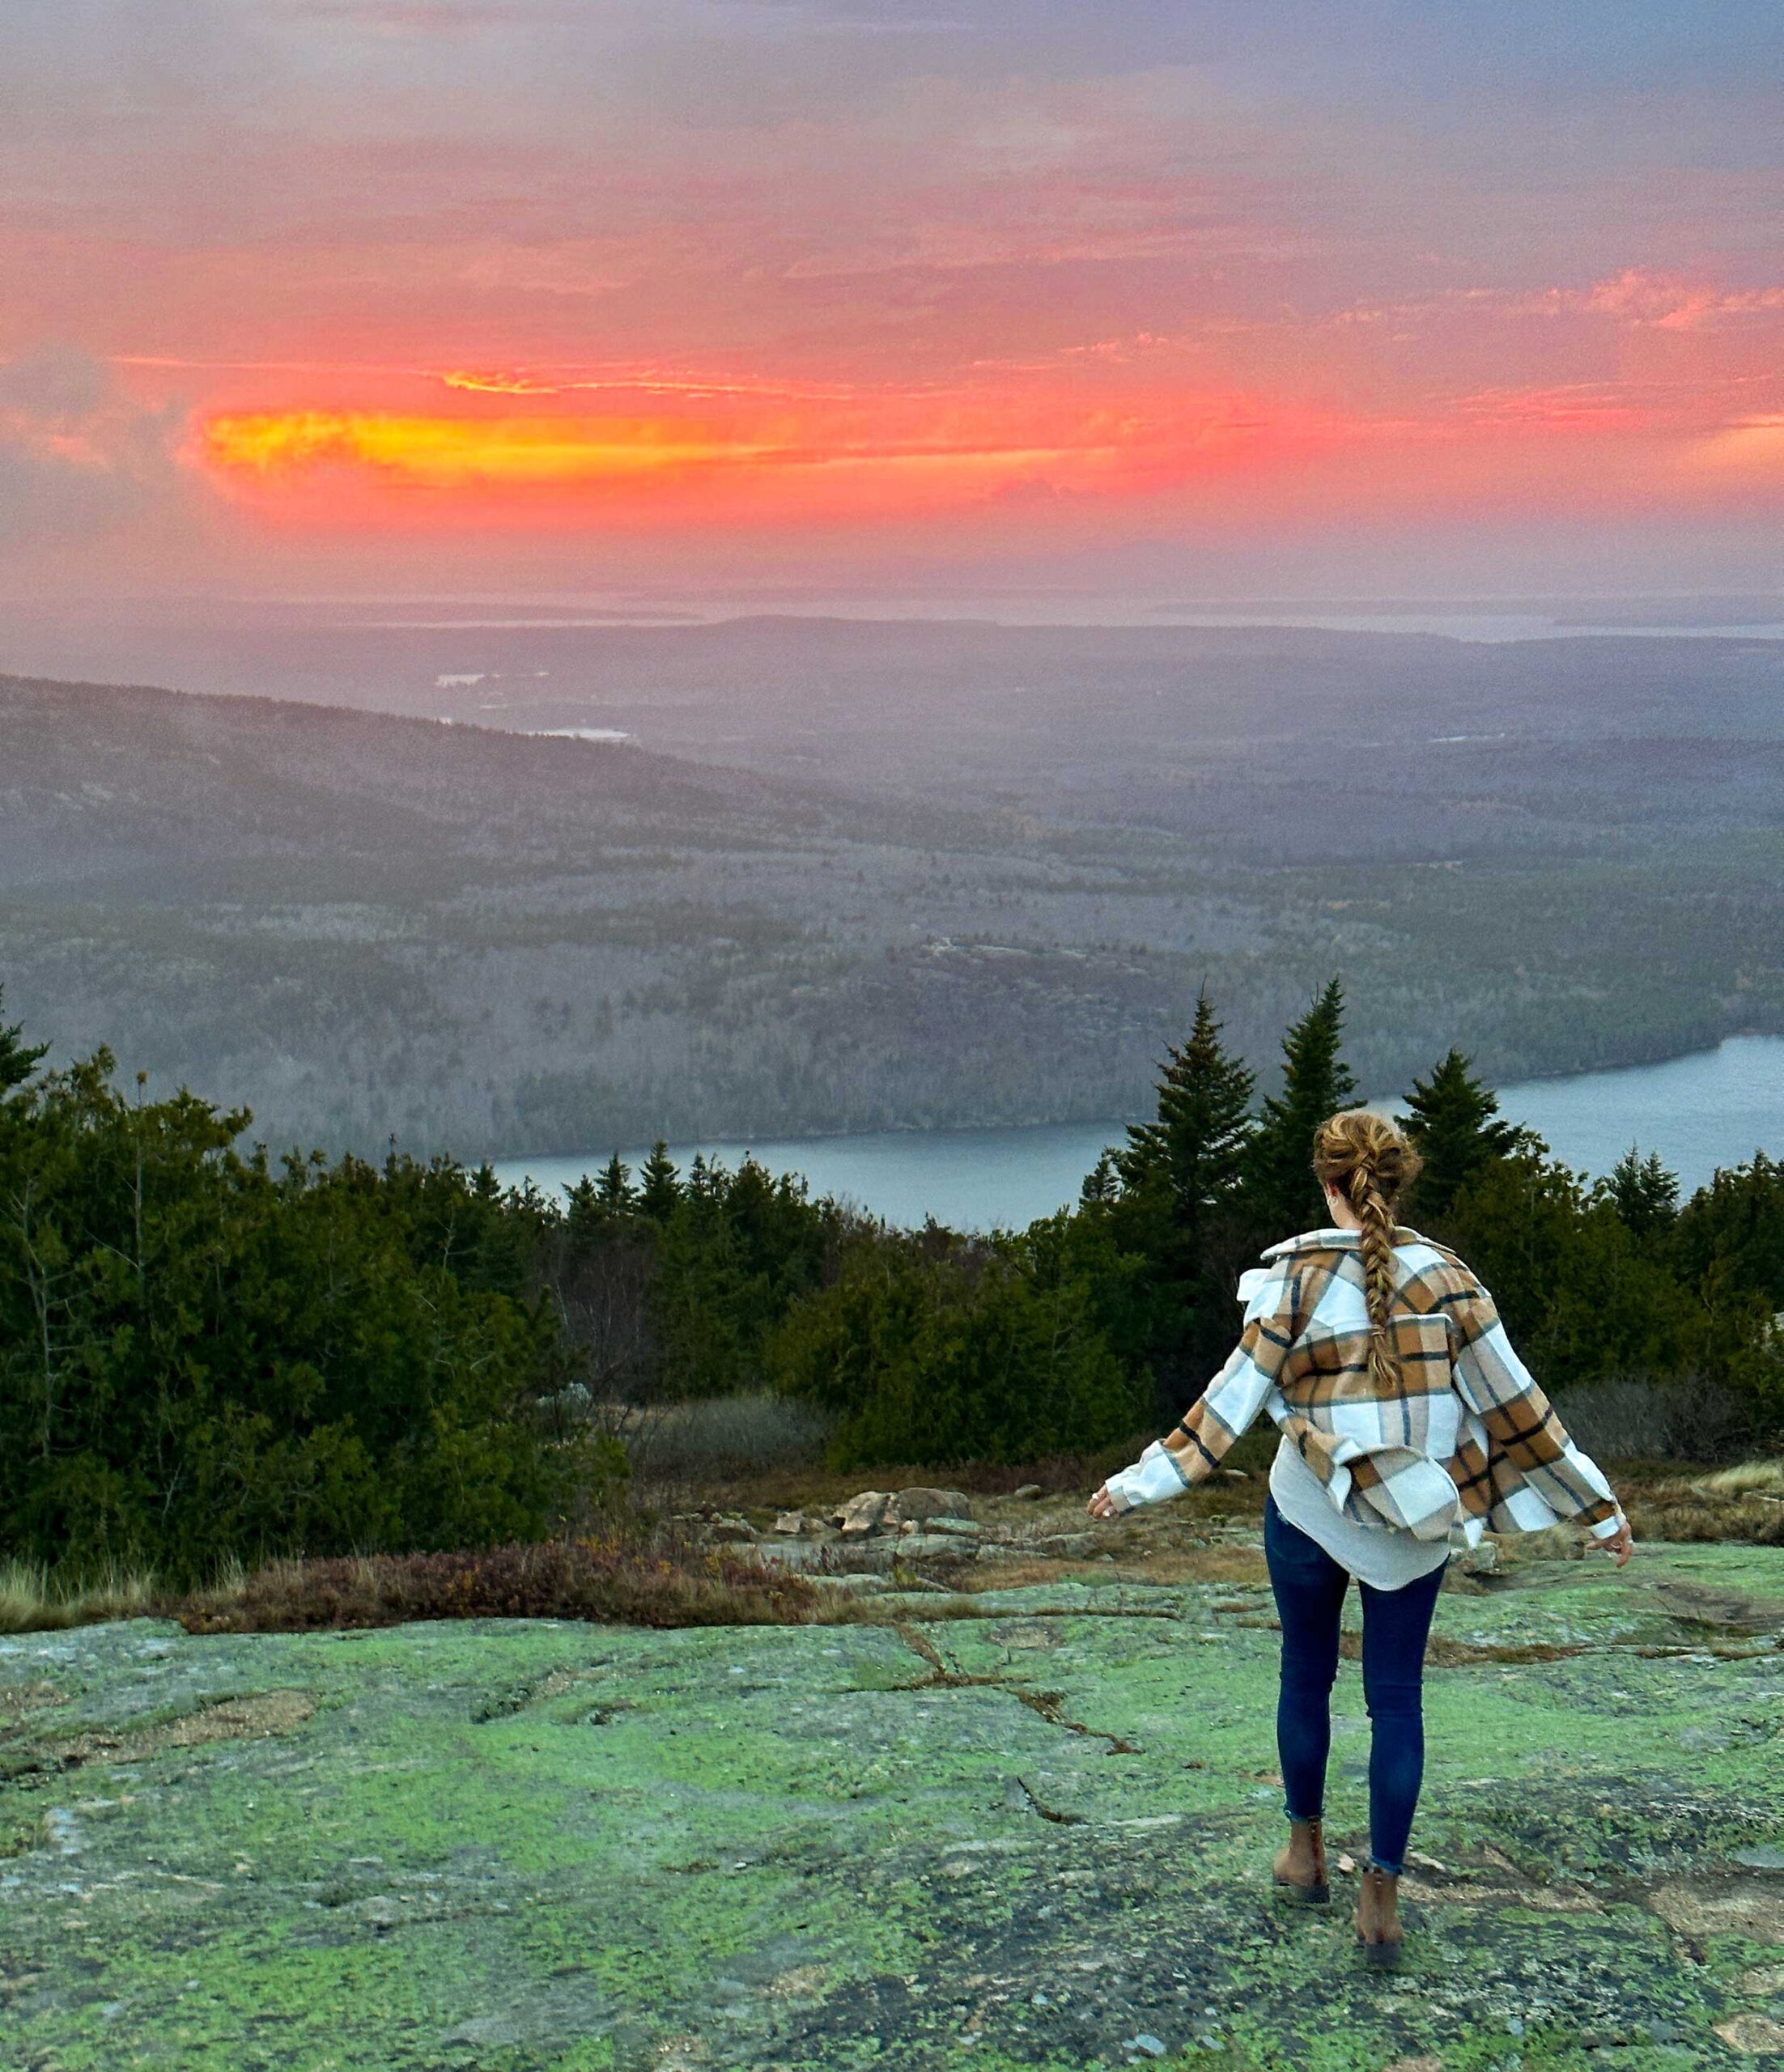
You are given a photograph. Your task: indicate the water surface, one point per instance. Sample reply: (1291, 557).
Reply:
(1714, 1108)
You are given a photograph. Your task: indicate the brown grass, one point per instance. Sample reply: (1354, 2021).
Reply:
(615, 1580)
(34, 1601)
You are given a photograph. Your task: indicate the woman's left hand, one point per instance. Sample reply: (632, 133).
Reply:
(1103, 1505)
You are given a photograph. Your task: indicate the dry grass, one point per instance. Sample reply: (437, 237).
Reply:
(32, 1600)
(1753, 1478)
(1745, 1503)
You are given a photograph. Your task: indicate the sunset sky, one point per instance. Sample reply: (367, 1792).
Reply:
(317, 297)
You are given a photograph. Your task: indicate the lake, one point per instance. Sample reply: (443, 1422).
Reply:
(1714, 1108)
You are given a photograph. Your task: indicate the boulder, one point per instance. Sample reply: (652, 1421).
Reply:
(954, 1528)
(862, 1514)
(1029, 1491)
(917, 1506)
(733, 1532)
(792, 1523)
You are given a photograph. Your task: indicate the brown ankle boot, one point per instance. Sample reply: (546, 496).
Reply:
(1300, 1868)
(1377, 1918)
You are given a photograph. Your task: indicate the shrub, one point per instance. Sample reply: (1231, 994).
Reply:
(204, 1357)
(933, 1349)
(609, 1579)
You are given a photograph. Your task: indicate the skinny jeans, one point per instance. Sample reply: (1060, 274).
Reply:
(1309, 1587)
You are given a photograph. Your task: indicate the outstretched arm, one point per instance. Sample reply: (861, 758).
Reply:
(1500, 1389)
(1224, 1412)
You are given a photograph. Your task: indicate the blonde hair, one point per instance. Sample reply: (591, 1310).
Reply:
(1366, 1159)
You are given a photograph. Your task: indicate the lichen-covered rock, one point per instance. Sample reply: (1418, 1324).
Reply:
(932, 1545)
(1025, 1838)
(791, 1523)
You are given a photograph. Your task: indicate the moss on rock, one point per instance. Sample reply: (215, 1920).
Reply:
(1039, 1836)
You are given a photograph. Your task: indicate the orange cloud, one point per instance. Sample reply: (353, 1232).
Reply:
(748, 453)
(905, 451)
(435, 453)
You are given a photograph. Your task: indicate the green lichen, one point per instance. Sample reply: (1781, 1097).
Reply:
(1023, 1840)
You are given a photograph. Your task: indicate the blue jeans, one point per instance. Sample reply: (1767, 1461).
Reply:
(1309, 1590)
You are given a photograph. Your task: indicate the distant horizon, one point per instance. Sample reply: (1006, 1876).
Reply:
(742, 601)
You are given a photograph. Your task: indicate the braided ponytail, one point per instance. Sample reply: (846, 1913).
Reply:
(1364, 1158)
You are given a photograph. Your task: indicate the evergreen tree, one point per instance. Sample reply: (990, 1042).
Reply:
(1643, 1193)
(1730, 1234)
(1281, 1195)
(614, 1189)
(597, 1202)
(1194, 1154)
(18, 1058)
(585, 1216)
(658, 1185)
(1176, 1210)
(1102, 1184)
(1454, 1121)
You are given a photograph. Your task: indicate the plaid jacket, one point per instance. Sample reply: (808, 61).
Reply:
(1468, 1438)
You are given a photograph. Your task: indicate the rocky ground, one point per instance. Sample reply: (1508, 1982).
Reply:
(1026, 1825)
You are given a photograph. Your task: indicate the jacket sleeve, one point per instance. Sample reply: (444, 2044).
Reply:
(1521, 1422)
(1226, 1408)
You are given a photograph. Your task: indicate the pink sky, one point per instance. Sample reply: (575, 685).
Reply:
(332, 296)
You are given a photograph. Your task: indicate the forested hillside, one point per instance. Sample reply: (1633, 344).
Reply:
(946, 875)
(205, 1354)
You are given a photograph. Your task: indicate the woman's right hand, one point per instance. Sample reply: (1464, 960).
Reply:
(1103, 1505)
(1619, 1545)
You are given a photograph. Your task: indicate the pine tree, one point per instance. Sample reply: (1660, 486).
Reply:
(1102, 1184)
(18, 1058)
(1193, 1155)
(585, 1214)
(1644, 1193)
(1454, 1121)
(614, 1189)
(658, 1185)
(1280, 1192)
(1175, 1211)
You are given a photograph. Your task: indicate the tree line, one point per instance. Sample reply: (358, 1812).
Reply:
(207, 1353)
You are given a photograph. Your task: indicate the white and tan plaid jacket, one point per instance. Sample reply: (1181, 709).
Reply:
(1465, 1440)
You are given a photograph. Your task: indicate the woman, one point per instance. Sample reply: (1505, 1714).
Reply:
(1405, 1414)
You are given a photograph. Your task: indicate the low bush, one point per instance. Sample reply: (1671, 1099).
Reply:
(616, 1580)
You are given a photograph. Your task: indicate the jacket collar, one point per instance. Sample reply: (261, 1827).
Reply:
(1337, 1239)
